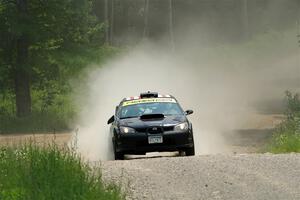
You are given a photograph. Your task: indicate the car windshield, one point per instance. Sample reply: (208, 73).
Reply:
(138, 110)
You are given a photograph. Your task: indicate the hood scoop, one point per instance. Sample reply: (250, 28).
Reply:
(152, 117)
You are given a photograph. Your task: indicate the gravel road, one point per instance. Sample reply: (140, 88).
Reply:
(241, 176)
(244, 176)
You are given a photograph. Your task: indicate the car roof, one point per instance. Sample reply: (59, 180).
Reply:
(139, 97)
(147, 95)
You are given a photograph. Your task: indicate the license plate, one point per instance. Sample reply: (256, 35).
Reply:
(155, 139)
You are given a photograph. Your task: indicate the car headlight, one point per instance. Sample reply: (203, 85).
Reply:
(124, 129)
(182, 127)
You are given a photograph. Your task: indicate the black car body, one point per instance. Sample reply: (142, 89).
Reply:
(151, 123)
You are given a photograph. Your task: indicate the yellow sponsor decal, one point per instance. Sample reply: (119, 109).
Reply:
(150, 100)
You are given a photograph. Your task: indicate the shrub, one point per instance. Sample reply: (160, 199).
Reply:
(286, 137)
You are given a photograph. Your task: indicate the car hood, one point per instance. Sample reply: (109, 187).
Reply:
(166, 121)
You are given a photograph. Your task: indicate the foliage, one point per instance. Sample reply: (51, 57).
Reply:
(53, 108)
(31, 172)
(287, 135)
(50, 25)
(64, 37)
(293, 106)
(32, 36)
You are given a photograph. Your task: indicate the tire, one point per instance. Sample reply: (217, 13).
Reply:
(181, 153)
(118, 155)
(190, 151)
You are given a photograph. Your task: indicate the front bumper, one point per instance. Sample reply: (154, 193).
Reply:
(137, 143)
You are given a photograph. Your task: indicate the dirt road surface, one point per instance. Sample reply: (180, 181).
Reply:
(242, 174)
(37, 138)
(244, 177)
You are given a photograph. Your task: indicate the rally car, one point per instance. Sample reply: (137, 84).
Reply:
(151, 123)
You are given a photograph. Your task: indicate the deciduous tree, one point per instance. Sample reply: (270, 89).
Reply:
(32, 31)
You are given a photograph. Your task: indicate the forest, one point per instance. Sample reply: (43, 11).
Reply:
(66, 64)
(45, 44)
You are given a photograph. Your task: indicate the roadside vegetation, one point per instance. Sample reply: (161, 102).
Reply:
(31, 172)
(286, 137)
(52, 103)
(43, 46)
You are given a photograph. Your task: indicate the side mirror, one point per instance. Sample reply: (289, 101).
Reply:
(111, 120)
(189, 112)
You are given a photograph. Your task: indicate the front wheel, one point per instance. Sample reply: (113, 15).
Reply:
(118, 155)
(190, 151)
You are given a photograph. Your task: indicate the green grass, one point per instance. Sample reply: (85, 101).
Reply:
(285, 144)
(35, 173)
(286, 137)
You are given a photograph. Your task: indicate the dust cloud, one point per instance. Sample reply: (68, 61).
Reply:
(222, 91)
(226, 85)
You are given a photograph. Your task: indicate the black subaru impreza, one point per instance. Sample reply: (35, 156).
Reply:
(151, 123)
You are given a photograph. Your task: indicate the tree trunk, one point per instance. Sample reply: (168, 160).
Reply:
(245, 18)
(22, 69)
(124, 26)
(112, 21)
(106, 20)
(171, 19)
(146, 19)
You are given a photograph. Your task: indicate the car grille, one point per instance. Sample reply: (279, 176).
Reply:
(155, 130)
